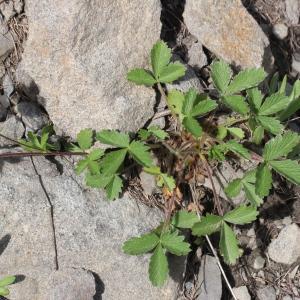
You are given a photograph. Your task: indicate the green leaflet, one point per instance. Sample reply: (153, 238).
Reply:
(175, 244)
(270, 124)
(85, 139)
(241, 215)
(141, 77)
(175, 101)
(221, 74)
(289, 169)
(158, 267)
(192, 125)
(172, 72)
(255, 98)
(141, 245)
(160, 57)
(207, 225)
(273, 104)
(114, 188)
(140, 153)
(113, 138)
(263, 182)
(234, 188)
(112, 161)
(236, 103)
(184, 219)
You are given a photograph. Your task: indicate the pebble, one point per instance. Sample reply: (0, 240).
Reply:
(32, 116)
(266, 293)
(280, 30)
(285, 248)
(148, 183)
(259, 263)
(242, 293)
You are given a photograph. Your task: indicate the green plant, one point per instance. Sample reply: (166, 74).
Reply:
(4, 282)
(207, 135)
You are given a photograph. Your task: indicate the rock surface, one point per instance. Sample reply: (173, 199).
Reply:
(6, 41)
(89, 230)
(242, 293)
(209, 279)
(266, 293)
(12, 128)
(228, 30)
(78, 64)
(285, 248)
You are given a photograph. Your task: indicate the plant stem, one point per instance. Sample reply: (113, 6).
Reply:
(31, 154)
(230, 123)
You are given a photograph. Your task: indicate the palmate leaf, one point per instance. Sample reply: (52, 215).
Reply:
(172, 72)
(273, 104)
(112, 161)
(221, 74)
(270, 124)
(263, 182)
(255, 98)
(280, 146)
(175, 244)
(175, 102)
(141, 77)
(140, 153)
(160, 57)
(113, 138)
(245, 80)
(241, 215)
(229, 245)
(207, 225)
(289, 169)
(85, 139)
(114, 188)
(184, 219)
(158, 267)
(203, 107)
(168, 181)
(192, 126)
(141, 245)
(236, 103)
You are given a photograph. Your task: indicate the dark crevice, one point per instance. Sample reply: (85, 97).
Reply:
(51, 213)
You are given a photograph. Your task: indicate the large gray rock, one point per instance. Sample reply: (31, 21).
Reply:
(89, 231)
(78, 54)
(228, 30)
(241, 293)
(285, 249)
(13, 129)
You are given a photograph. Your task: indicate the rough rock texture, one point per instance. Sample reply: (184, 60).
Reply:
(266, 293)
(285, 248)
(12, 128)
(209, 279)
(228, 30)
(90, 232)
(78, 54)
(241, 293)
(6, 41)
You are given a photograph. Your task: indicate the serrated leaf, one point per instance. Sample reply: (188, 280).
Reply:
(172, 72)
(222, 133)
(169, 181)
(158, 267)
(241, 215)
(157, 132)
(113, 138)
(236, 103)
(140, 153)
(234, 188)
(283, 85)
(236, 132)
(141, 77)
(141, 245)
(245, 80)
(289, 169)
(229, 245)
(114, 188)
(273, 104)
(175, 244)
(263, 182)
(270, 124)
(281, 145)
(250, 176)
(4, 291)
(273, 88)
(184, 219)
(207, 225)
(81, 166)
(98, 180)
(221, 74)
(7, 281)
(175, 102)
(237, 148)
(203, 107)
(258, 135)
(112, 161)
(255, 98)
(85, 139)
(144, 134)
(192, 126)
(189, 101)
(153, 170)
(251, 195)
(96, 154)
(160, 57)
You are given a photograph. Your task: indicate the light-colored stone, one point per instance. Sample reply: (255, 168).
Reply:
(281, 31)
(266, 293)
(90, 232)
(3, 113)
(32, 115)
(6, 42)
(7, 9)
(78, 54)
(259, 262)
(285, 248)
(8, 85)
(209, 279)
(228, 30)
(292, 11)
(148, 183)
(11, 128)
(241, 293)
